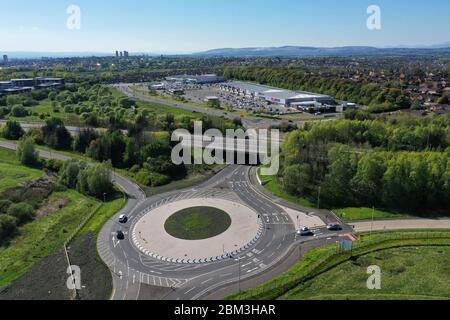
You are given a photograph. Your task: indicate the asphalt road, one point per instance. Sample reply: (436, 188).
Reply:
(137, 276)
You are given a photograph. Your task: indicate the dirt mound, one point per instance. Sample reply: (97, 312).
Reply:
(30, 191)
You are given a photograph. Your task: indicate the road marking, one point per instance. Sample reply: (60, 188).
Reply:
(207, 281)
(190, 290)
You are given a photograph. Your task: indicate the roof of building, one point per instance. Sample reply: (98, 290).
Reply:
(274, 92)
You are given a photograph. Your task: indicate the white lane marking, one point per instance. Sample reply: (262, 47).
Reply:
(207, 281)
(190, 290)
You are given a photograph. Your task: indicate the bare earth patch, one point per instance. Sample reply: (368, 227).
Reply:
(53, 205)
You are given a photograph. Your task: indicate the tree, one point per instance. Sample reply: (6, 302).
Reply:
(368, 181)
(56, 135)
(12, 131)
(297, 178)
(336, 189)
(27, 153)
(84, 139)
(8, 227)
(96, 181)
(69, 173)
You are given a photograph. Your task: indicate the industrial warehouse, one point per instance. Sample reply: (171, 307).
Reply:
(248, 96)
(287, 98)
(27, 85)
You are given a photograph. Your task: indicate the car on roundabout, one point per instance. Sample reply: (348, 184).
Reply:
(123, 218)
(305, 232)
(120, 235)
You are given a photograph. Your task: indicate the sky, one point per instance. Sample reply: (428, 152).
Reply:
(182, 26)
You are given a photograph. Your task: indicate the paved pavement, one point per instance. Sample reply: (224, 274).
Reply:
(405, 224)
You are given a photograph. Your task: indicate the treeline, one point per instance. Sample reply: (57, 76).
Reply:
(399, 164)
(146, 155)
(378, 97)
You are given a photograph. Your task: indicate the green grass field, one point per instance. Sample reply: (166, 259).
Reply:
(45, 108)
(405, 257)
(350, 214)
(197, 223)
(40, 238)
(407, 273)
(12, 173)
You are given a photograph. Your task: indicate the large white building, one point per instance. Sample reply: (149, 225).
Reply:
(276, 95)
(197, 79)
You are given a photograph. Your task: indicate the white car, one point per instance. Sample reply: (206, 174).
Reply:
(123, 218)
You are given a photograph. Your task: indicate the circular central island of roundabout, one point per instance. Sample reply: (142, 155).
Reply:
(197, 230)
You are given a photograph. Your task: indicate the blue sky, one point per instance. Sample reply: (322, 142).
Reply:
(195, 25)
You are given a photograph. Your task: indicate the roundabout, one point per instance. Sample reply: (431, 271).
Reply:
(195, 231)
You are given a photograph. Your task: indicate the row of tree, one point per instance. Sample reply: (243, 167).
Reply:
(379, 97)
(404, 164)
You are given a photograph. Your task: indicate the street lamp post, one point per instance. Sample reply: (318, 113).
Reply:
(371, 224)
(318, 198)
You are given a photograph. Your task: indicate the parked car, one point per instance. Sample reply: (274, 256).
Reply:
(123, 219)
(334, 227)
(305, 232)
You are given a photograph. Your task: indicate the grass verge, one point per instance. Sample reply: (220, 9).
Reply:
(320, 260)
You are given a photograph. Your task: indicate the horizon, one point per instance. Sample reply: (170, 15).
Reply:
(175, 27)
(89, 53)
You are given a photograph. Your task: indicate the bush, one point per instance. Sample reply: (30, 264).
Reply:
(144, 178)
(26, 152)
(23, 212)
(52, 165)
(12, 131)
(8, 227)
(4, 205)
(30, 103)
(159, 179)
(19, 111)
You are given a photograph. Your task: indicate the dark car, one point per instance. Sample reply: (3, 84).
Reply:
(305, 232)
(334, 227)
(120, 235)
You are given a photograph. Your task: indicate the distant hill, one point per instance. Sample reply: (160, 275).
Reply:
(313, 51)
